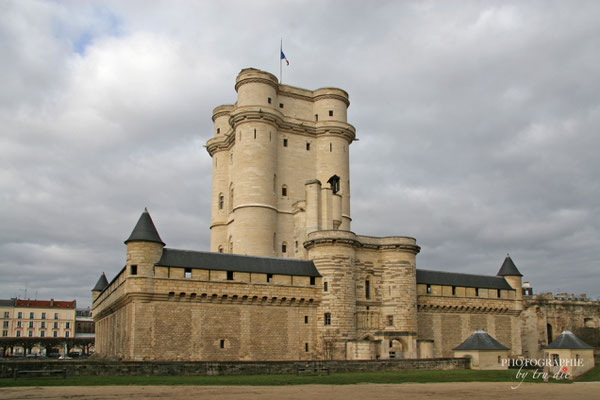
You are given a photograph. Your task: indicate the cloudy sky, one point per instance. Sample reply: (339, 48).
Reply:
(478, 126)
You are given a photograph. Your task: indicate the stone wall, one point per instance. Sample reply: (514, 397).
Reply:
(96, 368)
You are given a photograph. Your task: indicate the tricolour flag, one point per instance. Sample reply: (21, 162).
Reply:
(283, 58)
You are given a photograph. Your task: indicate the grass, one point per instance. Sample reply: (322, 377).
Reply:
(278, 380)
(592, 375)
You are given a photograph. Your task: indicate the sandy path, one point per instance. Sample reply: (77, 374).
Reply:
(413, 391)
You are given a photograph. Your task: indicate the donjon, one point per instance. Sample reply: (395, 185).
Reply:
(285, 277)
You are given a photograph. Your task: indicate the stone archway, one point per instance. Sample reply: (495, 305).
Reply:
(396, 348)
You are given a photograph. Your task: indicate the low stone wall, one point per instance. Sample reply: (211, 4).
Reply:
(101, 368)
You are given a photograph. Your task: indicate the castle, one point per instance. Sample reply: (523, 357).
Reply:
(286, 278)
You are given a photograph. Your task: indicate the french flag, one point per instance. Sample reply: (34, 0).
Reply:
(283, 58)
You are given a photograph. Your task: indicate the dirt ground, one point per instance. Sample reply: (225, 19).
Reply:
(413, 391)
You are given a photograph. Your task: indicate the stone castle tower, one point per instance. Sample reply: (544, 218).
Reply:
(281, 188)
(280, 167)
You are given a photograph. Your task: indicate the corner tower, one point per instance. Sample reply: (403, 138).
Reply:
(280, 167)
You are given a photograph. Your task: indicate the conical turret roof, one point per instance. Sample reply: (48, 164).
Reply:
(101, 284)
(480, 340)
(144, 230)
(509, 268)
(567, 340)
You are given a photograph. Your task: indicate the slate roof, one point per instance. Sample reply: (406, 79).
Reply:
(101, 284)
(567, 340)
(458, 279)
(144, 230)
(7, 303)
(508, 268)
(236, 263)
(480, 340)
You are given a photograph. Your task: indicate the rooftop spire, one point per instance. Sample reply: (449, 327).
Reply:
(101, 284)
(144, 230)
(509, 268)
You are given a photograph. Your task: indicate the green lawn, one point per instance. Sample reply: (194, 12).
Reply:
(592, 375)
(274, 380)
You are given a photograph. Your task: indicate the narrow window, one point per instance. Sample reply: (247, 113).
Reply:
(308, 146)
(499, 293)
(284, 190)
(67, 325)
(55, 315)
(334, 183)
(269, 277)
(499, 359)
(221, 201)
(312, 280)
(188, 273)
(367, 289)
(331, 113)
(306, 319)
(19, 314)
(285, 142)
(284, 247)
(453, 290)
(55, 334)
(296, 244)
(31, 315)
(368, 308)
(327, 319)
(55, 325)
(133, 270)
(240, 136)
(43, 315)
(476, 291)
(269, 100)
(218, 130)
(316, 117)
(255, 134)
(220, 249)
(229, 275)
(390, 320)
(428, 289)
(325, 287)
(306, 347)
(330, 147)
(222, 343)
(280, 105)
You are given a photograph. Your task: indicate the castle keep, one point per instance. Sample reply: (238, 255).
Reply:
(286, 278)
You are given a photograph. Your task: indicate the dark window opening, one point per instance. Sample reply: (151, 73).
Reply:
(453, 290)
(327, 319)
(476, 291)
(367, 289)
(269, 100)
(549, 333)
(221, 201)
(331, 113)
(229, 275)
(308, 146)
(284, 190)
(284, 247)
(325, 287)
(306, 319)
(306, 347)
(285, 142)
(280, 105)
(222, 343)
(312, 280)
(316, 117)
(188, 273)
(255, 134)
(133, 270)
(334, 183)
(330, 147)
(218, 130)
(428, 289)
(269, 277)
(390, 320)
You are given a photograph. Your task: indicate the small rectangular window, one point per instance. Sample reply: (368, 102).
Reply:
(283, 248)
(476, 291)
(218, 130)
(31, 315)
(316, 117)
(453, 290)
(285, 141)
(55, 334)
(43, 334)
(4, 333)
(325, 287)
(308, 146)
(188, 273)
(67, 333)
(306, 347)
(6, 314)
(390, 320)
(330, 147)
(499, 293)
(43, 315)
(222, 343)
(280, 105)
(55, 315)
(367, 289)
(5, 324)
(306, 319)
(269, 277)
(331, 113)
(284, 191)
(133, 270)
(327, 319)
(428, 289)
(269, 100)
(19, 314)
(30, 333)
(312, 280)
(56, 325)
(229, 275)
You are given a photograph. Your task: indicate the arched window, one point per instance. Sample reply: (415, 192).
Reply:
(284, 191)
(220, 249)
(221, 201)
(334, 182)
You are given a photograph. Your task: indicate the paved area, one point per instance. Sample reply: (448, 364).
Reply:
(413, 391)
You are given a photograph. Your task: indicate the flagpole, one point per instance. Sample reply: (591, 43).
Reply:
(280, 69)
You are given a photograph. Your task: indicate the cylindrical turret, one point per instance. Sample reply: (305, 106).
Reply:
(144, 248)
